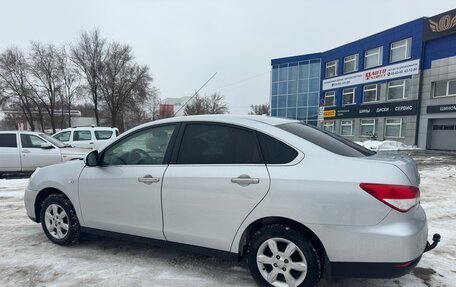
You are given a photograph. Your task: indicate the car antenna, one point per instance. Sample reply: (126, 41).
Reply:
(196, 93)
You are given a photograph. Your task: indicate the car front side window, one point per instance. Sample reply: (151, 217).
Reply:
(31, 141)
(146, 147)
(63, 136)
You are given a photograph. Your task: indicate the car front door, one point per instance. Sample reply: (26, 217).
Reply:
(123, 193)
(33, 155)
(214, 181)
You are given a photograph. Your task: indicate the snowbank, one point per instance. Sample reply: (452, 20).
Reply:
(386, 145)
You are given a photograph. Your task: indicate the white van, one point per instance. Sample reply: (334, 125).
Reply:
(87, 137)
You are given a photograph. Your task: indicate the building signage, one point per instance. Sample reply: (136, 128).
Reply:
(441, 109)
(439, 25)
(403, 108)
(382, 73)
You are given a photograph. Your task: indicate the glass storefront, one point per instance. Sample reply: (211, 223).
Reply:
(295, 90)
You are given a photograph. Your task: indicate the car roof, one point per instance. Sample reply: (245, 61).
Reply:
(22, 132)
(273, 121)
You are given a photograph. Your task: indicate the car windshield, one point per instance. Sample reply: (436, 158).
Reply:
(327, 140)
(52, 140)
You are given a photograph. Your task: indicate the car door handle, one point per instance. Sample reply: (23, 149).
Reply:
(25, 151)
(148, 179)
(245, 180)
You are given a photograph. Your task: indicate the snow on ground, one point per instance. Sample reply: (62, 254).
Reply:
(27, 258)
(386, 145)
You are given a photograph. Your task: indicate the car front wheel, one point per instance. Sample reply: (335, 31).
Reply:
(59, 220)
(281, 256)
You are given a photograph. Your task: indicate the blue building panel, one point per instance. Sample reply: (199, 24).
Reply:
(438, 49)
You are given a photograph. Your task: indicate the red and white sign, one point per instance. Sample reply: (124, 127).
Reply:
(378, 74)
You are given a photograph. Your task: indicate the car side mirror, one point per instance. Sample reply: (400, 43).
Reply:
(92, 158)
(46, 146)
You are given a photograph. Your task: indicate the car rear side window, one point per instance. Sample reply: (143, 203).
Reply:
(8, 140)
(82, 136)
(327, 140)
(103, 135)
(218, 144)
(275, 151)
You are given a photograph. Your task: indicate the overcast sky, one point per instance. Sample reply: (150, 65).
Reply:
(185, 42)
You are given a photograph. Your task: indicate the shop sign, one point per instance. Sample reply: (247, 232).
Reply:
(378, 74)
(441, 109)
(403, 108)
(440, 25)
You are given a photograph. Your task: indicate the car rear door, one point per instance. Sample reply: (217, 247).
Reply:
(9, 152)
(33, 155)
(82, 138)
(214, 181)
(123, 193)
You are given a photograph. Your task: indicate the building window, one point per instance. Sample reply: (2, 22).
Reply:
(393, 128)
(351, 64)
(331, 69)
(328, 126)
(346, 128)
(400, 50)
(367, 128)
(370, 93)
(396, 90)
(330, 99)
(348, 96)
(444, 88)
(373, 57)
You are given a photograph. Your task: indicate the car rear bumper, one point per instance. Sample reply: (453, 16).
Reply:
(372, 270)
(399, 238)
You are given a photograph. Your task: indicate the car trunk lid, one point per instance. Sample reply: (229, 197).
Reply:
(401, 160)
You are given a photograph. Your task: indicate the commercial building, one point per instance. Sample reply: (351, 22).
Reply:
(398, 84)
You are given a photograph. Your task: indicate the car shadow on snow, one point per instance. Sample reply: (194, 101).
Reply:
(218, 269)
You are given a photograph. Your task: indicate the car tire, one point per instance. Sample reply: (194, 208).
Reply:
(279, 254)
(59, 220)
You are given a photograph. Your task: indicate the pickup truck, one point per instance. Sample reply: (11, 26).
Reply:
(23, 152)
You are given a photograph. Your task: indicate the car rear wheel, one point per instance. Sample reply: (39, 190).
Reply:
(280, 256)
(59, 220)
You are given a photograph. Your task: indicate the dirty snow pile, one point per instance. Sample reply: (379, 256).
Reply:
(386, 145)
(28, 258)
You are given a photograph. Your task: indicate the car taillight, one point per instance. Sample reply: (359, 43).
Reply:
(400, 197)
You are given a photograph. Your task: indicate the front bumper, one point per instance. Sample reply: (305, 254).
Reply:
(29, 202)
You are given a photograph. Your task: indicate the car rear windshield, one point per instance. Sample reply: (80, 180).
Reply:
(327, 140)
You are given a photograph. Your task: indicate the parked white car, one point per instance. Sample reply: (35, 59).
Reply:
(22, 151)
(87, 137)
(293, 200)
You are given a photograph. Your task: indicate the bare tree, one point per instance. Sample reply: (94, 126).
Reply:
(14, 79)
(71, 82)
(88, 54)
(213, 104)
(122, 80)
(47, 78)
(262, 109)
